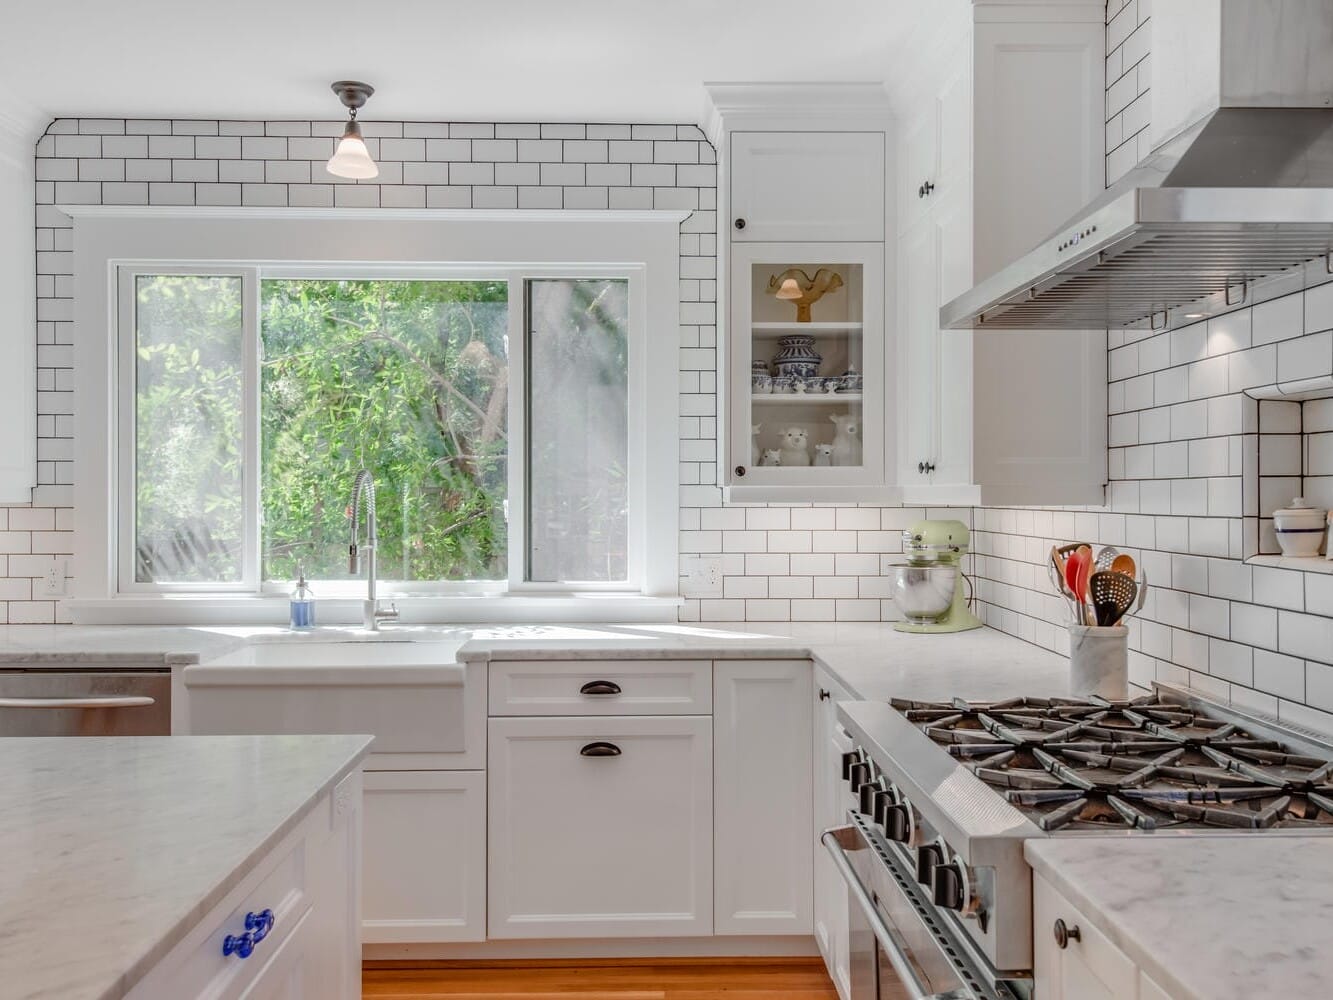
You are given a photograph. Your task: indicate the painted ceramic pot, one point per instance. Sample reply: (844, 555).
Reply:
(784, 383)
(851, 381)
(761, 383)
(758, 367)
(797, 357)
(1299, 528)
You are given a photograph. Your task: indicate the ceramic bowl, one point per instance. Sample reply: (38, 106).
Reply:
(761, 384)
(784, 383)
(1299, 529)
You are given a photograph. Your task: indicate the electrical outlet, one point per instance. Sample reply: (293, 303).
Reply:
(53, 583)
(703, 576)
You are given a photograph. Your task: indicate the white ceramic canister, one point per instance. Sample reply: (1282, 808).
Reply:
(1099, 661)
(1299, 528)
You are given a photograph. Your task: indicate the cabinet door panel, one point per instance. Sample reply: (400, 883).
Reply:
(831, 802)
(600, 846)
(761, 773)
(918, 162)
(807, 186)
(284, 977)
(425, 856)
(957, 372)
(918, 297)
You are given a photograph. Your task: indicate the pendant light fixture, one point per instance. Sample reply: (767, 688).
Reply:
(351, 158)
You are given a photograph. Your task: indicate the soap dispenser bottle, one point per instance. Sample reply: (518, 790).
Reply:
(303, 602)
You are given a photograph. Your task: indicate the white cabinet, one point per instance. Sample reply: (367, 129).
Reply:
(814, 186)
(311, 950)
(804, 211)
(1002, 145)
(1088, 966)
(425, 856)
(831, 800)
(842, 417)
(762, 848)
(600, 827)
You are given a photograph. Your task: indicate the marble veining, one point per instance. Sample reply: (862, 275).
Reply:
(113, 848)
(1206, 917)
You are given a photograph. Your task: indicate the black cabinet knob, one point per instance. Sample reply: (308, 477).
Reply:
(740, 471)
(823, 695)
(921, 190)
(927, 857)
(946, 886)
(925, 467)
(1064, 934)
(740, 223)
(897, 822)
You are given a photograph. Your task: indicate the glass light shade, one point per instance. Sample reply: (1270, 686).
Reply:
(789, 290)
(351, 158)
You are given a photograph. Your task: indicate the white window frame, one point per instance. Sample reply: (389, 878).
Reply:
(113, 245)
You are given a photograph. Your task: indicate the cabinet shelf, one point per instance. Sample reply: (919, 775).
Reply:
(806, 399)
(782, 329)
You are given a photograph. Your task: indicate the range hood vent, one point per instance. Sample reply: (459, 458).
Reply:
(1242, 195)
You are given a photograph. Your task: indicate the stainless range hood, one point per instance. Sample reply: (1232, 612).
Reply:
(1241, 195)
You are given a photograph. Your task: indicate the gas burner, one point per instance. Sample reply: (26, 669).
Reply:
(1143, 764)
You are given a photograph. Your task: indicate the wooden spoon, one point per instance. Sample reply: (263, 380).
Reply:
(1124, 563)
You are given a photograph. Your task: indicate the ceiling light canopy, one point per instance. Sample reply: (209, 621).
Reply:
(351, 158)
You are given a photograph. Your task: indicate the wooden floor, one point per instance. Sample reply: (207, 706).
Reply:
(595, 979)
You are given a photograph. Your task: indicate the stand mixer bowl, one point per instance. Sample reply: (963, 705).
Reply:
(923, 593)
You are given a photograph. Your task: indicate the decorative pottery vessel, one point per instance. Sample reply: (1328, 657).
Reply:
(832, 383)
(758, 367)
(797, 356)
(784, 383)
(1299, 528)
(761, 383)
(851, 381)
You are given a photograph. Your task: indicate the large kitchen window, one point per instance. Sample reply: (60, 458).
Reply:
(491, 407)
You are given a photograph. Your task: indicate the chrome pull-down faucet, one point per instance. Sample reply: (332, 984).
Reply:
(371, 612)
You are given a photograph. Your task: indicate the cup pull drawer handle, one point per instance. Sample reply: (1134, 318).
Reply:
(600, 748)
(600, 687)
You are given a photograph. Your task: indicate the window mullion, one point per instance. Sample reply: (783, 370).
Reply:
(252, 473)
(516, 527)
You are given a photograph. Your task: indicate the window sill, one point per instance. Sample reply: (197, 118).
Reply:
(1307, 564)
(214, 609)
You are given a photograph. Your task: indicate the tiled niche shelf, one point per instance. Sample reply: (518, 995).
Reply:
(1290, 454)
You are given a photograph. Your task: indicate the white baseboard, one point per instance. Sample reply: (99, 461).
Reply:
(697, 947)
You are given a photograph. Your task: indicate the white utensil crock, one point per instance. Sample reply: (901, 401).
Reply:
(1099, 661)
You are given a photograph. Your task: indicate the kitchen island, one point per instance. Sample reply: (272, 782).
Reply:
(129, 860)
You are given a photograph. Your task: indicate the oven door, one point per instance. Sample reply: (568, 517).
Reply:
(898, 946)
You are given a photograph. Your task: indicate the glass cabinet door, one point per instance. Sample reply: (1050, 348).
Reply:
(807, 366)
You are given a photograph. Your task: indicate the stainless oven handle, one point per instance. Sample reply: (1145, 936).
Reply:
(834, 840)
(115, 701)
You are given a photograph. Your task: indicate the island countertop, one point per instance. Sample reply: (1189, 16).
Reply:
(1206, 917)
(115, 847)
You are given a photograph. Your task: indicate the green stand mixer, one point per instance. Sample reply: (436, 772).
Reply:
(928, 589)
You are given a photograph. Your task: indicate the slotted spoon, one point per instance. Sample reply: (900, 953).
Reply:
(1106, 558)
(1112, 595)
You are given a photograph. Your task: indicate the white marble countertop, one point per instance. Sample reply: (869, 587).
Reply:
(872, 659)
(113, 848)
(1206, 917)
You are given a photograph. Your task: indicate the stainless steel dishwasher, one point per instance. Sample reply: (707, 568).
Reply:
(76, 701)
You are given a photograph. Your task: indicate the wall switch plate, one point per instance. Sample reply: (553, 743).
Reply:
(53, 583)
(703, 576)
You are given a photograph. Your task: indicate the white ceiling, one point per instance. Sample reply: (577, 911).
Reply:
(501, 60)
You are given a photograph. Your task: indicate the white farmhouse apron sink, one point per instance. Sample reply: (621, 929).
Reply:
(410, 695)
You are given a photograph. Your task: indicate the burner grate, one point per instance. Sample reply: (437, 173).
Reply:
(1141, 764)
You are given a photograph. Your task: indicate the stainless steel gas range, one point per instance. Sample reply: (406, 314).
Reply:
(942, 796)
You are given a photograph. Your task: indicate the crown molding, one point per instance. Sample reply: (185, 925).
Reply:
(806, 106)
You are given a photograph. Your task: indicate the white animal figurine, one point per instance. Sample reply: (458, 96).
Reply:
(795, 446)
(771, 457)
(846, 448)
(754, 443)
(823, 454)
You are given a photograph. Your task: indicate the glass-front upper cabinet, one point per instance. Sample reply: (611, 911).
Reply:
(806, 378)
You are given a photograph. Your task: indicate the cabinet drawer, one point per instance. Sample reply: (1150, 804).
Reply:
(601, 687)
(197, 967)
(600, 827)
(1087, 968)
